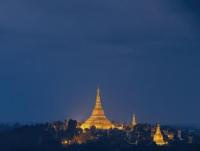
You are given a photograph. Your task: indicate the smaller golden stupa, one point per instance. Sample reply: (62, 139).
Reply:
(97, 118)
(158, 137)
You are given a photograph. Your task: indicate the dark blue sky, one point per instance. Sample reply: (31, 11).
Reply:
(144, 54)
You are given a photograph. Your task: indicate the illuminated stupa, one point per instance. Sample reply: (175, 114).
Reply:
(133, 122)
(158, 137)
(97, 118)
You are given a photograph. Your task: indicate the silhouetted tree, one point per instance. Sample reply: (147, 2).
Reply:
(71, 129)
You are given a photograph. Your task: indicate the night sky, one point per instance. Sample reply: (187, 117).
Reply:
(144, 55)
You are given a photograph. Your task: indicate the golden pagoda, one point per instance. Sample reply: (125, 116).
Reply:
(97, 118)
(158, 137)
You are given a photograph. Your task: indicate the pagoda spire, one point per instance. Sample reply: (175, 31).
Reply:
(98, 91)
(98, 98)
(98, 108)
(97, 118)
(158, 137)
(133, 122)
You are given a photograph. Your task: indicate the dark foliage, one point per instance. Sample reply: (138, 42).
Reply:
(42, 137)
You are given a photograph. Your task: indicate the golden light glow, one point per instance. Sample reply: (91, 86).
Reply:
(170, 136)
(158, 137)
(83, 138)
(97, 118)
(65, 142)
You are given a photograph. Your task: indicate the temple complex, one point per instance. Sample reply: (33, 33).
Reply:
(158, 137)
(97, 118)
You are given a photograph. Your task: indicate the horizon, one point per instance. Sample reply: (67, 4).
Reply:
(183, 125)
(126, 120)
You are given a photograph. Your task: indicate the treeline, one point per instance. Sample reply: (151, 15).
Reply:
(46, 137)
(28, 137)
